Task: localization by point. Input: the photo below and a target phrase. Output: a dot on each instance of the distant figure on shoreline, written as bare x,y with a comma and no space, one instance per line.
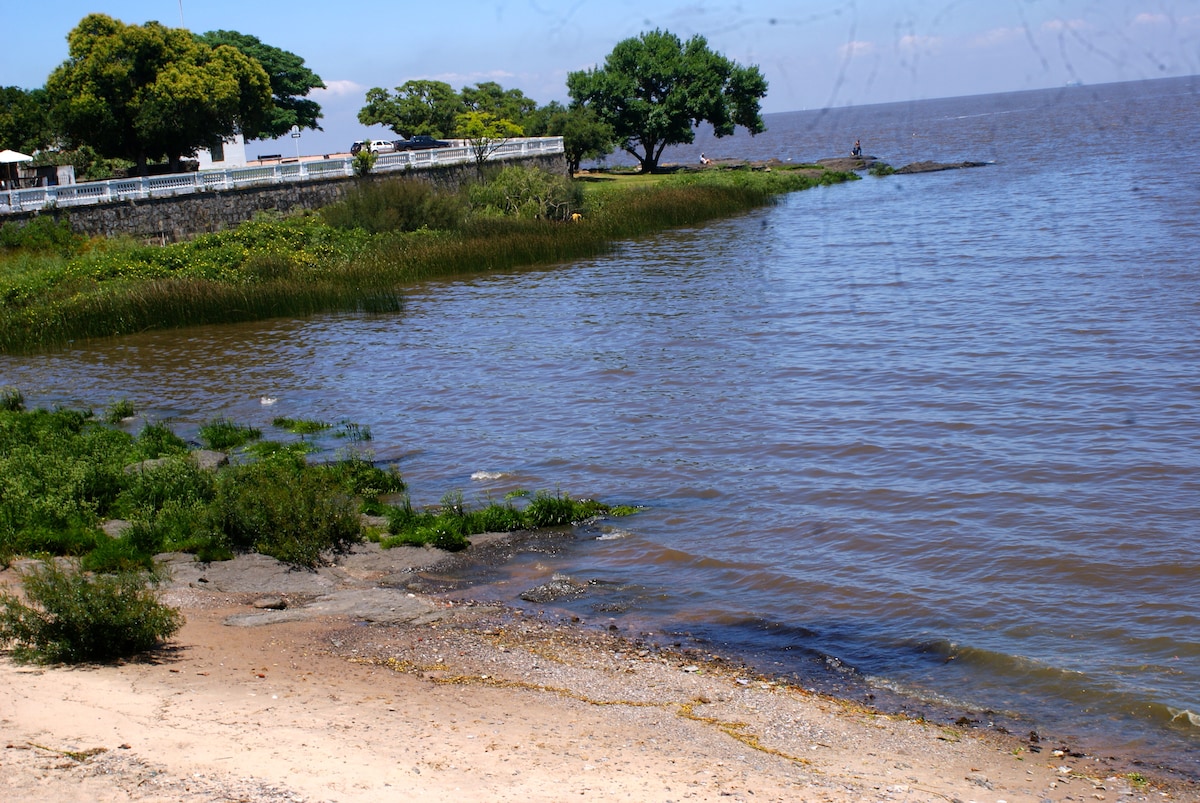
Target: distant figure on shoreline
704,160
857,151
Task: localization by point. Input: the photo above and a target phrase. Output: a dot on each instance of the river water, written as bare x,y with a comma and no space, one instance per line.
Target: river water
937,434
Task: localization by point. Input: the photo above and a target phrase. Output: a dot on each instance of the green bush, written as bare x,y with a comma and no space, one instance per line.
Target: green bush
72,617
114,555
527,193
285,511
360,477
395,205
177,480
42,234
364,162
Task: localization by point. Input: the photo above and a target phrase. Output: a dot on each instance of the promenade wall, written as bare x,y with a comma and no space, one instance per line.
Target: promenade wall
174,218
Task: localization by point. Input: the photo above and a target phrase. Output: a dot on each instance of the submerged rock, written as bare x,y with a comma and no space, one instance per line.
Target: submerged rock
933,167
559,587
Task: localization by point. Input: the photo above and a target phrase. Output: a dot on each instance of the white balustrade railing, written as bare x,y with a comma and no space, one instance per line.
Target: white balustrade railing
96,192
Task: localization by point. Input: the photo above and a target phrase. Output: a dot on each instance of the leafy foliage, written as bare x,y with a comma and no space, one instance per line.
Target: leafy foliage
43,234
24,120
60,473
290,82
653,89
147,91
363,162
418,107
504,104
73,617
286,509
585,135
403,204
485,133
527,193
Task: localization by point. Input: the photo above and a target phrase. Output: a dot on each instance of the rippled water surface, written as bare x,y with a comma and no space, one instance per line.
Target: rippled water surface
942,430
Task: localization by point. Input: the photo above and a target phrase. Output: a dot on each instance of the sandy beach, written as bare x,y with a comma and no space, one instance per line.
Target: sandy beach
340,686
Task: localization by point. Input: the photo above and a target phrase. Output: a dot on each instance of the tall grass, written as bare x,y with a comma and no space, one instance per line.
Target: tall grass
358,255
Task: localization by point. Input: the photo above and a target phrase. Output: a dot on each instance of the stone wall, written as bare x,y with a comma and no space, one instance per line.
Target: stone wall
173,218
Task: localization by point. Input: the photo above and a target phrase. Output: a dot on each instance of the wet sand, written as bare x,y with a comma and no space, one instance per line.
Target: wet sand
295,686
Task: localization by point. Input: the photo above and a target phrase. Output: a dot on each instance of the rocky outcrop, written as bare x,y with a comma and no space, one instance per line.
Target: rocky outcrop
855,164
933,167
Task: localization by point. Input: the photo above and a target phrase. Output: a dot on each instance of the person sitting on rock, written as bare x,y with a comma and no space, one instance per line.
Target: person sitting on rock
704,160
857,152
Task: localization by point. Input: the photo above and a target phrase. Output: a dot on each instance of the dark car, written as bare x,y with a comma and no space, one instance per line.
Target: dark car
420,142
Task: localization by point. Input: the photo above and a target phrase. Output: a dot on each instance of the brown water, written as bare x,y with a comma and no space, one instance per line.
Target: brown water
936,433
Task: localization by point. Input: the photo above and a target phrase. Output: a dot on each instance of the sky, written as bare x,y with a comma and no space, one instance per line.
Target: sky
813,53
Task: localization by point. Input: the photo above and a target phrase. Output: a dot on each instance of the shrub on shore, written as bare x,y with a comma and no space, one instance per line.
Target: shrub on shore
73,617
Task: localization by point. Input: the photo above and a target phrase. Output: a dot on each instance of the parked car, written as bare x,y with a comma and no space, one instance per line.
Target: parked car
420,142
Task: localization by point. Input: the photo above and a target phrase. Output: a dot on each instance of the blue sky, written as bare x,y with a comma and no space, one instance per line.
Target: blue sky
814,53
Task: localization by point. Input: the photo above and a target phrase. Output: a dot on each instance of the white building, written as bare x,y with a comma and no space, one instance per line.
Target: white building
230,153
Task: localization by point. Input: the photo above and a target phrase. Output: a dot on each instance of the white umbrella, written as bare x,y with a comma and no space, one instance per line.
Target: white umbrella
9,159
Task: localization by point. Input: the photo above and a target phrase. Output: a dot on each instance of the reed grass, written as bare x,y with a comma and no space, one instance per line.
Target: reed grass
302,265
453,521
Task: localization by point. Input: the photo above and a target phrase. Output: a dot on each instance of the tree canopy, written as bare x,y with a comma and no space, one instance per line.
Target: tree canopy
585,135
485,133
505,104
148,91
654,89
418,107
434,108
24,120
290,81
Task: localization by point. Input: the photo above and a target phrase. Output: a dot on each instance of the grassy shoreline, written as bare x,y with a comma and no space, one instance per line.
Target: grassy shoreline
56,287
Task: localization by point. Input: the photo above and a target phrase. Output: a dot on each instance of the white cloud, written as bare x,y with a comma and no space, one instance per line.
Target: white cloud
857,48
916,42
999,36
1060,26
340,89
455,79
1151,19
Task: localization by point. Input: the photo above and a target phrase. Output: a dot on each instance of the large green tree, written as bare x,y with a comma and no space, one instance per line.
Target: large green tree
654,89
290,80
24,120
505,104
585,135
418,107
145,92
